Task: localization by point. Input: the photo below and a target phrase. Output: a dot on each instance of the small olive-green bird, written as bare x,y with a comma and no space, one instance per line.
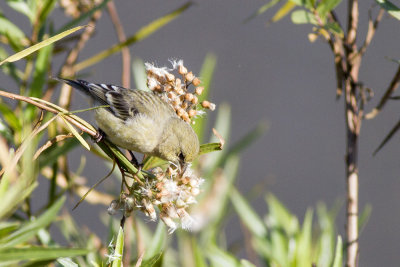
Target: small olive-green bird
141,121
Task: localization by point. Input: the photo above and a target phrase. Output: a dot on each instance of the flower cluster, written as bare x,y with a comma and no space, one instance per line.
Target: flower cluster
172,191
175,90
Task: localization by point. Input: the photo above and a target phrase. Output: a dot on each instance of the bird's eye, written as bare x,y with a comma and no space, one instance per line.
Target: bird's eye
181,157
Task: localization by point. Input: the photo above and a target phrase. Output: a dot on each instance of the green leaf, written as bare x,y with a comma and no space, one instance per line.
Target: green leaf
390,8
283,11
75,133
139,74
334,28
158,242
364,217
119,249
304,3
10,117
10,30
40,45
262,9
248,216
249,138
10,69
23,8
326,6
388,137
39,253
206,75
155,261
337,262
50,155
138,36
303,245
219,257
246,263
67,262
280,217
46,9
27,231
303,17
210,147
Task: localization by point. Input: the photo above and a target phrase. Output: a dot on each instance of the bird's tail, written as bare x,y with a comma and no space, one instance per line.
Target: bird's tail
93,90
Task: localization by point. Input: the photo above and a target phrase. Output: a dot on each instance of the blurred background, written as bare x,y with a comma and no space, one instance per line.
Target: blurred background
272,74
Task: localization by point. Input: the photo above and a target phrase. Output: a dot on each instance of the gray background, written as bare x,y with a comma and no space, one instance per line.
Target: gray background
273,73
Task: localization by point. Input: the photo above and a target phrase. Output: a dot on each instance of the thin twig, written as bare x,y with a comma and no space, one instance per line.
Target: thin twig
372,26
394,83
126,56
50,109
68,70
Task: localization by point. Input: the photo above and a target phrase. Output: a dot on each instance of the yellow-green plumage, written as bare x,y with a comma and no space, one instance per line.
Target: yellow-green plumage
141,121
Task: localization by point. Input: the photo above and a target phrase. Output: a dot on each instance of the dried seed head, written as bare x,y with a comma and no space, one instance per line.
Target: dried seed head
207,104
195,100
185,117
192,113
170,77
189,96
199,90
189,76
185,180
195,191
185,105
180,112
182,70
171,95
196,81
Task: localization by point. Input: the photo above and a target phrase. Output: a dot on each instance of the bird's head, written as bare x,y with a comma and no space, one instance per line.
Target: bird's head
179,143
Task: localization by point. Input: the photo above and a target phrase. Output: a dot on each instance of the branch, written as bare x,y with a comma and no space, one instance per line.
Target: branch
389,91
126,56
372,25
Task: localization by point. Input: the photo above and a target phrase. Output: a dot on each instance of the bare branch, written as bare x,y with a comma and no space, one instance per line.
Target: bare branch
372,26
126,56
389,91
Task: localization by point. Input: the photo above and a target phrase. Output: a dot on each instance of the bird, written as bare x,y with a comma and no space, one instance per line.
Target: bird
140,121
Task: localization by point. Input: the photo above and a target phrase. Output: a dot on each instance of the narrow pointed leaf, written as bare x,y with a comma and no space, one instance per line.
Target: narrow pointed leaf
210,147
337,262
75,133
388,137
119,249
39,253
247,214
390,8
283,11
262,9
206,76
40,45
139,35
30,229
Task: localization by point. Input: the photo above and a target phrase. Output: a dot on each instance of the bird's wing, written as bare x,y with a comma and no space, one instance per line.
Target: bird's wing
125,103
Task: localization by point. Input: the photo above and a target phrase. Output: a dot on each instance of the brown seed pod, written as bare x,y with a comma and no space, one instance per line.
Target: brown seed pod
192,113
196,81
189,76
199,90
170,77
195,100
189,96
182,70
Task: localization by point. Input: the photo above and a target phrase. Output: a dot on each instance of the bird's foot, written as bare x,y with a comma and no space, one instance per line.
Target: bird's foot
100,135
135,162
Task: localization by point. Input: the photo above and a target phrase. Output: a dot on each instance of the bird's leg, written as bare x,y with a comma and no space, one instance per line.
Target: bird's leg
100,135
135,162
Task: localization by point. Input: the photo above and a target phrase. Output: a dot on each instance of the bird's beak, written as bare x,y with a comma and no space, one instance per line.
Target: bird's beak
183,166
